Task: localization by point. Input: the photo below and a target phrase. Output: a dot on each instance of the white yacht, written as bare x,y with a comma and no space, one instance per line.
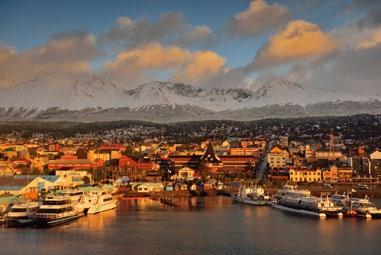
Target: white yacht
102,201
290,198
252,195
21,213
56,210
74,194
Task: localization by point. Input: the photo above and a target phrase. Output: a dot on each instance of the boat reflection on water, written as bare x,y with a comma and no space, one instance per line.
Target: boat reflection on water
97,221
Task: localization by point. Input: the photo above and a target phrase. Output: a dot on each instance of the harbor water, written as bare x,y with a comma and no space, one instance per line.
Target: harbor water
209,225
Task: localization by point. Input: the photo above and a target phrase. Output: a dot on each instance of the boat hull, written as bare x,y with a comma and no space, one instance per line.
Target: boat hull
294,204
299,211
250,201
47,223
101,208
21,222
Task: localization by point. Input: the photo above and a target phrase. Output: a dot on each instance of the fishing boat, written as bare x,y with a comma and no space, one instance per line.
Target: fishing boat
100,202
21,214
56,210
252,195
365,208
360,207
344,200
292,199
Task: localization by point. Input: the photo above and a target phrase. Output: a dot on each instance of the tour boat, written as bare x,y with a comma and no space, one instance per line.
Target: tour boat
290,198
56,210
103,201
21,214
252,195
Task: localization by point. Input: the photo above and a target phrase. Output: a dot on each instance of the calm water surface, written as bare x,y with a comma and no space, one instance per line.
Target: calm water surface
211,225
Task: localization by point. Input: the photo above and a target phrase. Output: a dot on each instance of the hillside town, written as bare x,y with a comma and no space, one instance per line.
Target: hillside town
29,166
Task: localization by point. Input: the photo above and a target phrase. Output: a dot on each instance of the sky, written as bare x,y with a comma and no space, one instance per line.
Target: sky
217,43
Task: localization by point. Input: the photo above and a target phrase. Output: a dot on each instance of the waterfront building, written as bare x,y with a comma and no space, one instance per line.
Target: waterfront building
213,163
73,178
146,187
305,175
185,173
279,173
28,185
210,162
339,171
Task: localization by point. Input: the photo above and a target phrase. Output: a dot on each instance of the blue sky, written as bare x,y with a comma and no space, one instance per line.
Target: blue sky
28,25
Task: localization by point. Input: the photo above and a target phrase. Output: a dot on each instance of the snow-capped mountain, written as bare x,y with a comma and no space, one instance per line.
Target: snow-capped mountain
65,91
89,97
167,93
281,91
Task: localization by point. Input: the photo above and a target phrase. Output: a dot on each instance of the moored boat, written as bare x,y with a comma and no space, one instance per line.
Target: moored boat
56,210
365,208
360,207
21,214
74,194
291,198
101,202
344,200
252,195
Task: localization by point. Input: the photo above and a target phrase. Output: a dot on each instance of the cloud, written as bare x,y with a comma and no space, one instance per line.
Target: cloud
187,66
169,29
298,40
202,65
349,69
372,42
65,52
195,35
258,18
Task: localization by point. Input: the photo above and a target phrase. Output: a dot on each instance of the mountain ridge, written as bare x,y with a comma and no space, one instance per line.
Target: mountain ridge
91,95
